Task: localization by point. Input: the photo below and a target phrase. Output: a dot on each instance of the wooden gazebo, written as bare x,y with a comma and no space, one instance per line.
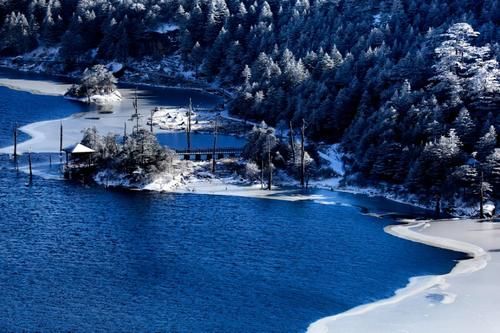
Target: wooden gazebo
79,155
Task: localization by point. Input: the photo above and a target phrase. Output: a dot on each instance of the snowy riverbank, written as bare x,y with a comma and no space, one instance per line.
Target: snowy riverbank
463,300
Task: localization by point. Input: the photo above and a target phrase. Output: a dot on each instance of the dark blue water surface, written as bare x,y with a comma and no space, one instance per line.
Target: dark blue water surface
82,258
199,140
22,108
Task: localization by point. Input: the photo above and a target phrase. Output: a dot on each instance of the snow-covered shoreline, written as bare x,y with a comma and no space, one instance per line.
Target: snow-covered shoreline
460,301
215,186
113,97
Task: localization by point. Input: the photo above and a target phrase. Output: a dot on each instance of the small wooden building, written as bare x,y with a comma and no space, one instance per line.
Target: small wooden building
79,162
79,155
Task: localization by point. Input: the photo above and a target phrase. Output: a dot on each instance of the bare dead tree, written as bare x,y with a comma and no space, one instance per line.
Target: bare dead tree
292,141
61,138
135,104
262,174
481,195
188,127
151,121
302,154
15,143
215,142
29,164
269,165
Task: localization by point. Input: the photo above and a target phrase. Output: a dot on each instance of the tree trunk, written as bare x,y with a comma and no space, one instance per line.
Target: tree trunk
292,143
302,154
262,174
188,127
215,145
60,138
269,165
151,121
481,197
29,163
437,211
15,143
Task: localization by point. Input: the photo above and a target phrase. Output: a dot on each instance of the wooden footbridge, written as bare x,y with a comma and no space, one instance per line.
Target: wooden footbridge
201,154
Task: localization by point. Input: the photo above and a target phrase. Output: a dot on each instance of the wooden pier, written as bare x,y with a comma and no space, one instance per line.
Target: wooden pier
207,153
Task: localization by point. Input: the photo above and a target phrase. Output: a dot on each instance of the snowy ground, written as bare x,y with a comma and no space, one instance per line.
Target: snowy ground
111,98
46,87
176,119
464,300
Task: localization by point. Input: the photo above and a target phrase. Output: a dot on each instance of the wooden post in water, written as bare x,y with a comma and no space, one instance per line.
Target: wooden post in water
50,160
61,146
15,147
15,143
215,143
61,138
29,164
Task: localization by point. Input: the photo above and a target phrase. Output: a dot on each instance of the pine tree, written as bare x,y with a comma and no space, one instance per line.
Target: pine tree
465,127
486,144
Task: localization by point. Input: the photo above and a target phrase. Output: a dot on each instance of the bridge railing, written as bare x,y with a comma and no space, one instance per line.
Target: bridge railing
204,151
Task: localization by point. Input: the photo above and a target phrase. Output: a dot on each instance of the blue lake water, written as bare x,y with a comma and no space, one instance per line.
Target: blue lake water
82,258
199,140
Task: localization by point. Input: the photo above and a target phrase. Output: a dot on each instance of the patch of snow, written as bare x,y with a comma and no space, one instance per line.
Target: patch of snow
164,28
114,97
333,156
114,67
37,87
42,53
93,53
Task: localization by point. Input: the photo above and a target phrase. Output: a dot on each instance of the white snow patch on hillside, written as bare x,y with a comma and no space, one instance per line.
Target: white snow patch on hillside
114,67
166,28
42,53
333,156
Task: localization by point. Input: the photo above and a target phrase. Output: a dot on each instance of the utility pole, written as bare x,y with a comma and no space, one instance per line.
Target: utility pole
302,154
215,143
188,127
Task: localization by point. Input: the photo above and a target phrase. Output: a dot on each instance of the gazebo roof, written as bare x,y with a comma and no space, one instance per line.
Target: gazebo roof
79,149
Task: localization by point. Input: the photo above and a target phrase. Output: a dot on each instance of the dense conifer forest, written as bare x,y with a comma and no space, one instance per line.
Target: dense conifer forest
410,88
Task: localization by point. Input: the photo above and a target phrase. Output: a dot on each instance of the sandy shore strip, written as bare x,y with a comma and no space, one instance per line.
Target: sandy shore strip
464,300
